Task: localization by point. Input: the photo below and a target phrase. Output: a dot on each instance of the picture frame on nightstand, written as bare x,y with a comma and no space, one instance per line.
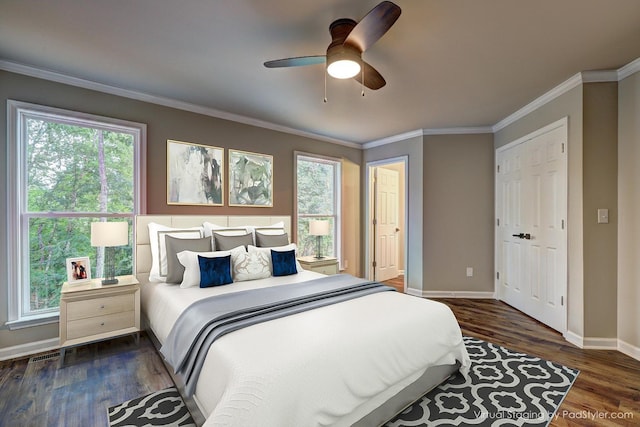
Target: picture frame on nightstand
78,270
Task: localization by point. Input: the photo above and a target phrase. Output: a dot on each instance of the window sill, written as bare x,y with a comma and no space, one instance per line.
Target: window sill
44,319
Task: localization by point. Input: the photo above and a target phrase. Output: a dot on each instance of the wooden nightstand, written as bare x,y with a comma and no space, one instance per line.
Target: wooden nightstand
326,265
92,312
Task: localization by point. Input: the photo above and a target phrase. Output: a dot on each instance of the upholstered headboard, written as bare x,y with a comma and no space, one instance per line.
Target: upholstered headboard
143,247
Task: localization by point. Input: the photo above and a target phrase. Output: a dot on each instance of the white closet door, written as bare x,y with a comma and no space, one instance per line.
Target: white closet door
531,250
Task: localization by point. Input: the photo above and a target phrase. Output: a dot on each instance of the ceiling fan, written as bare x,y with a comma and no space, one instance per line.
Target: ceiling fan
349,39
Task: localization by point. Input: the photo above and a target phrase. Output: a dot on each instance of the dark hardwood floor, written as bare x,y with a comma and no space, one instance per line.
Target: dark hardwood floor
105,374
608,385
98,376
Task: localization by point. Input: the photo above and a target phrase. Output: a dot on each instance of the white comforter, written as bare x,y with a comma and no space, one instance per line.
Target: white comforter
329,366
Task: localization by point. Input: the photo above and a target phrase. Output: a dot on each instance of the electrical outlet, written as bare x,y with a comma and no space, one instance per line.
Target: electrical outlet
469,271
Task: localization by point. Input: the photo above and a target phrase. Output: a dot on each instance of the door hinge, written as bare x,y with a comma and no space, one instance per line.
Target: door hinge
562,300
498,222
375,222
498,275
562,224
375,264
562,147
498,168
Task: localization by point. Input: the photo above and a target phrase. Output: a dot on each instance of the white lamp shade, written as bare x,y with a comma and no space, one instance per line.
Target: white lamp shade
109,234
318,228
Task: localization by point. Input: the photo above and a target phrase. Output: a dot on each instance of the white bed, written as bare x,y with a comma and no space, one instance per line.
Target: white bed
353,363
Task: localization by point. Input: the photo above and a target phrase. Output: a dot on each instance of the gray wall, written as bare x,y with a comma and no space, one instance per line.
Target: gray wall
450,210
629,211
162,123
458,212
450,186
600,172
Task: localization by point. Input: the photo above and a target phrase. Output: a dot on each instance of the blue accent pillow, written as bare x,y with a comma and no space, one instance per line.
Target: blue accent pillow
215,271
284,263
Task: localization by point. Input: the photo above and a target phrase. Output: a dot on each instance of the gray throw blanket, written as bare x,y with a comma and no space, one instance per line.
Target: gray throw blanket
208,319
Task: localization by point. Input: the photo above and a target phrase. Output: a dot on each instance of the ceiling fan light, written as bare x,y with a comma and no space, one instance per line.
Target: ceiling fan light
343,68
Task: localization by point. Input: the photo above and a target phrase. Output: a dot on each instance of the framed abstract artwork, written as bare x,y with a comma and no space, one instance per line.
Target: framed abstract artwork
250,179
194,174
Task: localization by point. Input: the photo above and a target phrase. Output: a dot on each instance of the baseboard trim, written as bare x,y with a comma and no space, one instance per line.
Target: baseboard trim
29,348
590,343
574,339
628,349
451,294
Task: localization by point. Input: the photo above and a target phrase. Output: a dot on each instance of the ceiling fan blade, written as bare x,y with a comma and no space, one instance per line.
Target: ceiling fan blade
372,78
374,25
296,62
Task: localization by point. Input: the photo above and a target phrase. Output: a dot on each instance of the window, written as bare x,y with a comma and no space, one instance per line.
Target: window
66,170
317,197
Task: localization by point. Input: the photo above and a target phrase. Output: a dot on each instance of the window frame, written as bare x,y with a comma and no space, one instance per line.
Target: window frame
17,216
337,182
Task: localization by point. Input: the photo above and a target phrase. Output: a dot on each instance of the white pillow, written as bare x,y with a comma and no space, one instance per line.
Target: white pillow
250,266
157,233
233,230
191,265
275,229
286,248
210,228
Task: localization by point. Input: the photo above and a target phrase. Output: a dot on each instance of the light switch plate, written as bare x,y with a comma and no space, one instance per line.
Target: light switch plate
603,216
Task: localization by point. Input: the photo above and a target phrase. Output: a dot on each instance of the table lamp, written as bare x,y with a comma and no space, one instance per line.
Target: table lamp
109,235
319,228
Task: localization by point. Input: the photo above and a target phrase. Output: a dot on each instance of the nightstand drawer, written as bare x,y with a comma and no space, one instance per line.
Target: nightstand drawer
101,324
100,306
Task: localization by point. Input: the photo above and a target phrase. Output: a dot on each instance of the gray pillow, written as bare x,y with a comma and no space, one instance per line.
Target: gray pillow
271,240
226,243
174,245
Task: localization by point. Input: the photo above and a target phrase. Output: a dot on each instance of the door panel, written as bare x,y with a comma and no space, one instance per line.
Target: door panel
531,207
387,188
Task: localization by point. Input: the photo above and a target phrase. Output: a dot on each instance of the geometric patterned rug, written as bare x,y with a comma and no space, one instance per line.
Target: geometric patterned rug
504,387
162,408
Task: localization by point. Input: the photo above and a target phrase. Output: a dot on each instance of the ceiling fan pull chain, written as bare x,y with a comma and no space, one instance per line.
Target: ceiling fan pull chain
362,80
325,87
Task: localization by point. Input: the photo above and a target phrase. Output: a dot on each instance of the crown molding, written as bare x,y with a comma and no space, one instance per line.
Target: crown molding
423,132
470,130
393,138
166,102
600,76
629,69
562,88
572,82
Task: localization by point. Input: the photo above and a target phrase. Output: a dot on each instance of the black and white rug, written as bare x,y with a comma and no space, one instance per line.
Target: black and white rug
504,388
162,408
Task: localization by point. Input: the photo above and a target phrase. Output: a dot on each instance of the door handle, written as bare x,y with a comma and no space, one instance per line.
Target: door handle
523,236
